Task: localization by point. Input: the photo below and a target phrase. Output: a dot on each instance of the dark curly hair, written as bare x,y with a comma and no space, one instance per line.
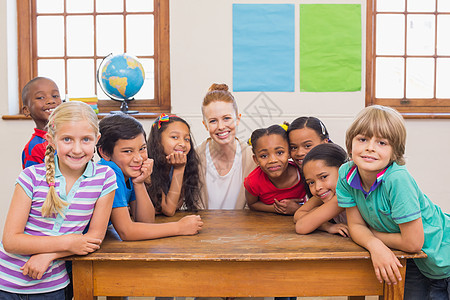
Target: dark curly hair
312,123
274,129
190,189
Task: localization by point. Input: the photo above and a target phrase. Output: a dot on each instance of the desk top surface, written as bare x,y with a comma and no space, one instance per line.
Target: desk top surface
235,235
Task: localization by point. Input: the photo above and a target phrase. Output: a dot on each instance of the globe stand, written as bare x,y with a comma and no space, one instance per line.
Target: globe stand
124,109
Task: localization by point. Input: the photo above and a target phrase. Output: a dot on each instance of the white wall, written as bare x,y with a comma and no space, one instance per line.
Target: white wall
201,53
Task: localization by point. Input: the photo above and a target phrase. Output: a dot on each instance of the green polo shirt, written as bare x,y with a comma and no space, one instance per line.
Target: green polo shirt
395,198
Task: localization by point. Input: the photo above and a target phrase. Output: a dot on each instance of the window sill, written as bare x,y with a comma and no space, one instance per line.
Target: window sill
143,115
425,115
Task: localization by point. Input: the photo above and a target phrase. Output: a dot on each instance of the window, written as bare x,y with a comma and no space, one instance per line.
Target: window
408,56
66,40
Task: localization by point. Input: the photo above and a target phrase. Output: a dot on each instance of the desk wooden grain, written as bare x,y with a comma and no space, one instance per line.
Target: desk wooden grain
237,254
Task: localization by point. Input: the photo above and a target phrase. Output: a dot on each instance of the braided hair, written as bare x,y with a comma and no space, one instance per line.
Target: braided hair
72,111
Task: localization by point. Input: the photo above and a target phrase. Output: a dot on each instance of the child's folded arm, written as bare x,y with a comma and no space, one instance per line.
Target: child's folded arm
410,238
313,215
254,203
385,263
173,200
14,238
134,231
142,208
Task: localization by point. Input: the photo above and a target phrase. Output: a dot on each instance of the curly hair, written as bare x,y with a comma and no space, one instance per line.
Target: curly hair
160,178
273,129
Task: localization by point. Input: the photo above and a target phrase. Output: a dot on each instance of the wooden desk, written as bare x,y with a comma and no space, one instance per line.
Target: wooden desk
237,254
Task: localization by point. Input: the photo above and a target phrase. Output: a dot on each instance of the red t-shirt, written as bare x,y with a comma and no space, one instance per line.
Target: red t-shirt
258,184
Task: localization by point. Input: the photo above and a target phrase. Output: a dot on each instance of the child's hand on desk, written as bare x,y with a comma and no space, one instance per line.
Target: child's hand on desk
286,206
385,263
37,265
190,225
146,171
81,244
339,228
177,159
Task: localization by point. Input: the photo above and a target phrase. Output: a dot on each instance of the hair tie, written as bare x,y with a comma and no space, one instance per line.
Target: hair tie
163,118
51,184
249,142
284,126
323,128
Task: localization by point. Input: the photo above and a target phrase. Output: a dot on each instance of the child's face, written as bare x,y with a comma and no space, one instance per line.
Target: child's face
321,179
371,154
221,121
129,155
75,144
301,141
272,155
43,98
176,138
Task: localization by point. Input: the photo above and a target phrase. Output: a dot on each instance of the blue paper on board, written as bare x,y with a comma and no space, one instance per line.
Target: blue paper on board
264,47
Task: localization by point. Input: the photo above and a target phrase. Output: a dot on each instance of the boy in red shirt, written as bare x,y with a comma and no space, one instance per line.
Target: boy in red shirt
40,97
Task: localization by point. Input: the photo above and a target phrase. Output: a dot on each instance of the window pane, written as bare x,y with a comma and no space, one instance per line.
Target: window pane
53,69
80,77
139,6
443,42
390,34
389,77
78,6
140,34
109,35
419,77
100,94
443,5
50,36
420,35
49,6
80,36
110,5
442,76
421,5
148,89
390,5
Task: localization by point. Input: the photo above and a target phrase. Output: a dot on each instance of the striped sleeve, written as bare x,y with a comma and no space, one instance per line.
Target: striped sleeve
110,183
27,180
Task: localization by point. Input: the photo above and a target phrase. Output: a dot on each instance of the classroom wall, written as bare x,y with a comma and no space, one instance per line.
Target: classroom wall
201,53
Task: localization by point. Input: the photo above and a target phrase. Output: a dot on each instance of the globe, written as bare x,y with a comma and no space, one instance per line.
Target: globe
121,76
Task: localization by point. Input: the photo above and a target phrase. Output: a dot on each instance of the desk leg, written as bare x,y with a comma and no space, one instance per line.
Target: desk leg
396,291
83,280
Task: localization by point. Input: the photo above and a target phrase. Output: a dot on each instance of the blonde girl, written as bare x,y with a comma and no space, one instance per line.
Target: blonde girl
224,160
51,206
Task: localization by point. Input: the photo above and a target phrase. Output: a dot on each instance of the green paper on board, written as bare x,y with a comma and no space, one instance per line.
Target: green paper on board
330,47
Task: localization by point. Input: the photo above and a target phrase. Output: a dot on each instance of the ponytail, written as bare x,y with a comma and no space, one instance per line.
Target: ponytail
53,204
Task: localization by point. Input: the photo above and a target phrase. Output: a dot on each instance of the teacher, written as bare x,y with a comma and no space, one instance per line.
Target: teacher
225,161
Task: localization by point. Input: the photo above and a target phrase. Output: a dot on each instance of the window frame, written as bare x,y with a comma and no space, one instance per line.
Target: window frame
27,58
409,108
